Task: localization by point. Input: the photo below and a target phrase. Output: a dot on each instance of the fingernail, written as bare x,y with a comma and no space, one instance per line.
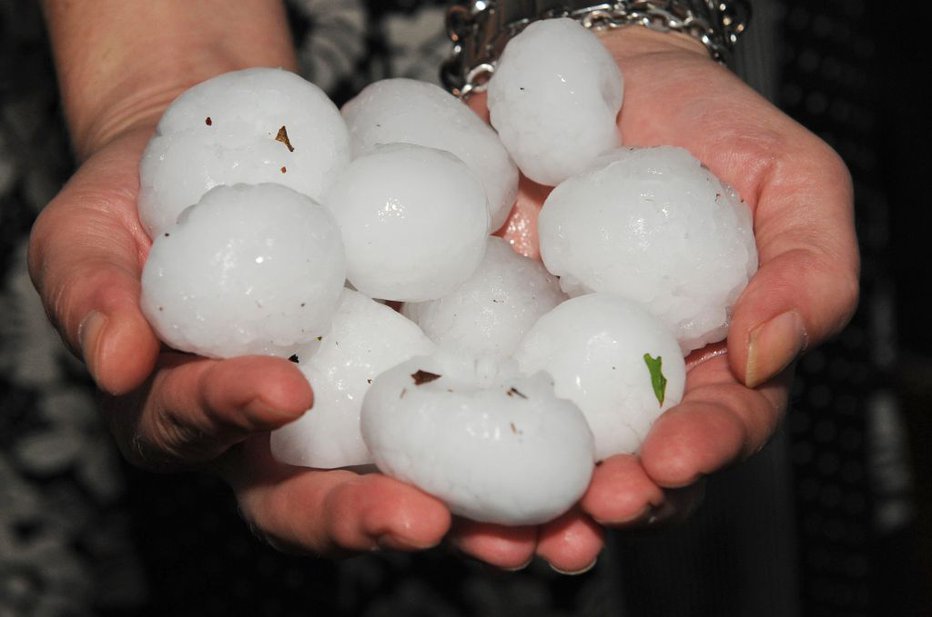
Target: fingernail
395,543
583,570
519,567
773,346
266,417
89,332
655,515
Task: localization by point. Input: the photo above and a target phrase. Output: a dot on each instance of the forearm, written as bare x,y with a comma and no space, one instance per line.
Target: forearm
120,63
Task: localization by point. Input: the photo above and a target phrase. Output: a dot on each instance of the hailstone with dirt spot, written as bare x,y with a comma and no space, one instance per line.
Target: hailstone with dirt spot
365,339
493,445
249,126
249,269
616,361
554,98
417,112
654,225
414,222
490,312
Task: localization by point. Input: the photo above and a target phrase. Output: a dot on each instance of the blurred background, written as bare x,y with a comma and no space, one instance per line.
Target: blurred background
832,518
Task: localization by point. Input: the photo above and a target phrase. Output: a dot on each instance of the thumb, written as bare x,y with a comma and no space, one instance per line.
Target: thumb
85,255
807,286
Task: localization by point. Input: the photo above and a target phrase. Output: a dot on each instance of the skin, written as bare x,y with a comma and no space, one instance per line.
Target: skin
167,410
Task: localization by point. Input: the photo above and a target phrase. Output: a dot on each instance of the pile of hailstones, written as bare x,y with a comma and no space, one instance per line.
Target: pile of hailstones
499,383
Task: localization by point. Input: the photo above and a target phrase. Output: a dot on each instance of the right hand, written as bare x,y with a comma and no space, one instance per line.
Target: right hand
174,411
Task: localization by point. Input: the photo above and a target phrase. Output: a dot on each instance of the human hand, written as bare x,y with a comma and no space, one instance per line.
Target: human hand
119,65
170,410
806,289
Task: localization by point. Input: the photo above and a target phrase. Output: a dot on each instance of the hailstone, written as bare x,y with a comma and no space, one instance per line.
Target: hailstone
490,312
654,225
414,222
365,339
494,445
554,98
250,126
616,361
417,112
249,269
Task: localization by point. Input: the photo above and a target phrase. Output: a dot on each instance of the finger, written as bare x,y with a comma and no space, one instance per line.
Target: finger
508,548
719,421
85,259
330,512
620,492
194,409
571,543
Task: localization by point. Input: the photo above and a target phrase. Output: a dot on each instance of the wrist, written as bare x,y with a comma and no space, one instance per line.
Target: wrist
639,41
480,29
120,64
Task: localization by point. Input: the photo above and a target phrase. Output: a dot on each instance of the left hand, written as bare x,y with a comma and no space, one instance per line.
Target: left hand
806,290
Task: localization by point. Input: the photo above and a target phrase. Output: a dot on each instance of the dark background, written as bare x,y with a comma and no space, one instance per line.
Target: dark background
834,518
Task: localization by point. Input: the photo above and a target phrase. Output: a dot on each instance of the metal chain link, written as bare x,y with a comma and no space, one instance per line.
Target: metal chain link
481,30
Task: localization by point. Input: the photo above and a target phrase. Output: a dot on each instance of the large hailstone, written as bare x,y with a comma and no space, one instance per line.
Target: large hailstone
490,312
247,270
414,222
417,112
249,126
617,362
554,98
654,225
365,339
494,445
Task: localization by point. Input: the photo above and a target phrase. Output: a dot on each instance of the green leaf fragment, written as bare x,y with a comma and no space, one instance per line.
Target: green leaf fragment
657,380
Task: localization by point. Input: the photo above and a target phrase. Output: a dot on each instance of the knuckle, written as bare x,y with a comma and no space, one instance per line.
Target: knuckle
179,440
256,518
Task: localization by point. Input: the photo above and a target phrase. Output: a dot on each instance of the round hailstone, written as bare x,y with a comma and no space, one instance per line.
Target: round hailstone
654,225
490,312
414,222
554,98
249,126
365,339
248,270
612,358
494,445
417,112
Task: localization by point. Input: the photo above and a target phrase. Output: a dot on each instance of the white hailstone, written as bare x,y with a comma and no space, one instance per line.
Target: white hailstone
249,126
616,361
654,225
417,112
365,339
554,99
414,222
249,269
494,445
490,312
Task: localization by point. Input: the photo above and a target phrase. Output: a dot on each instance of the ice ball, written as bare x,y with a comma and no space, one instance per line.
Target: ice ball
249,126
494,308
554,98
616,361
414,222
654,225
364,339
417,112
494,445
249,269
